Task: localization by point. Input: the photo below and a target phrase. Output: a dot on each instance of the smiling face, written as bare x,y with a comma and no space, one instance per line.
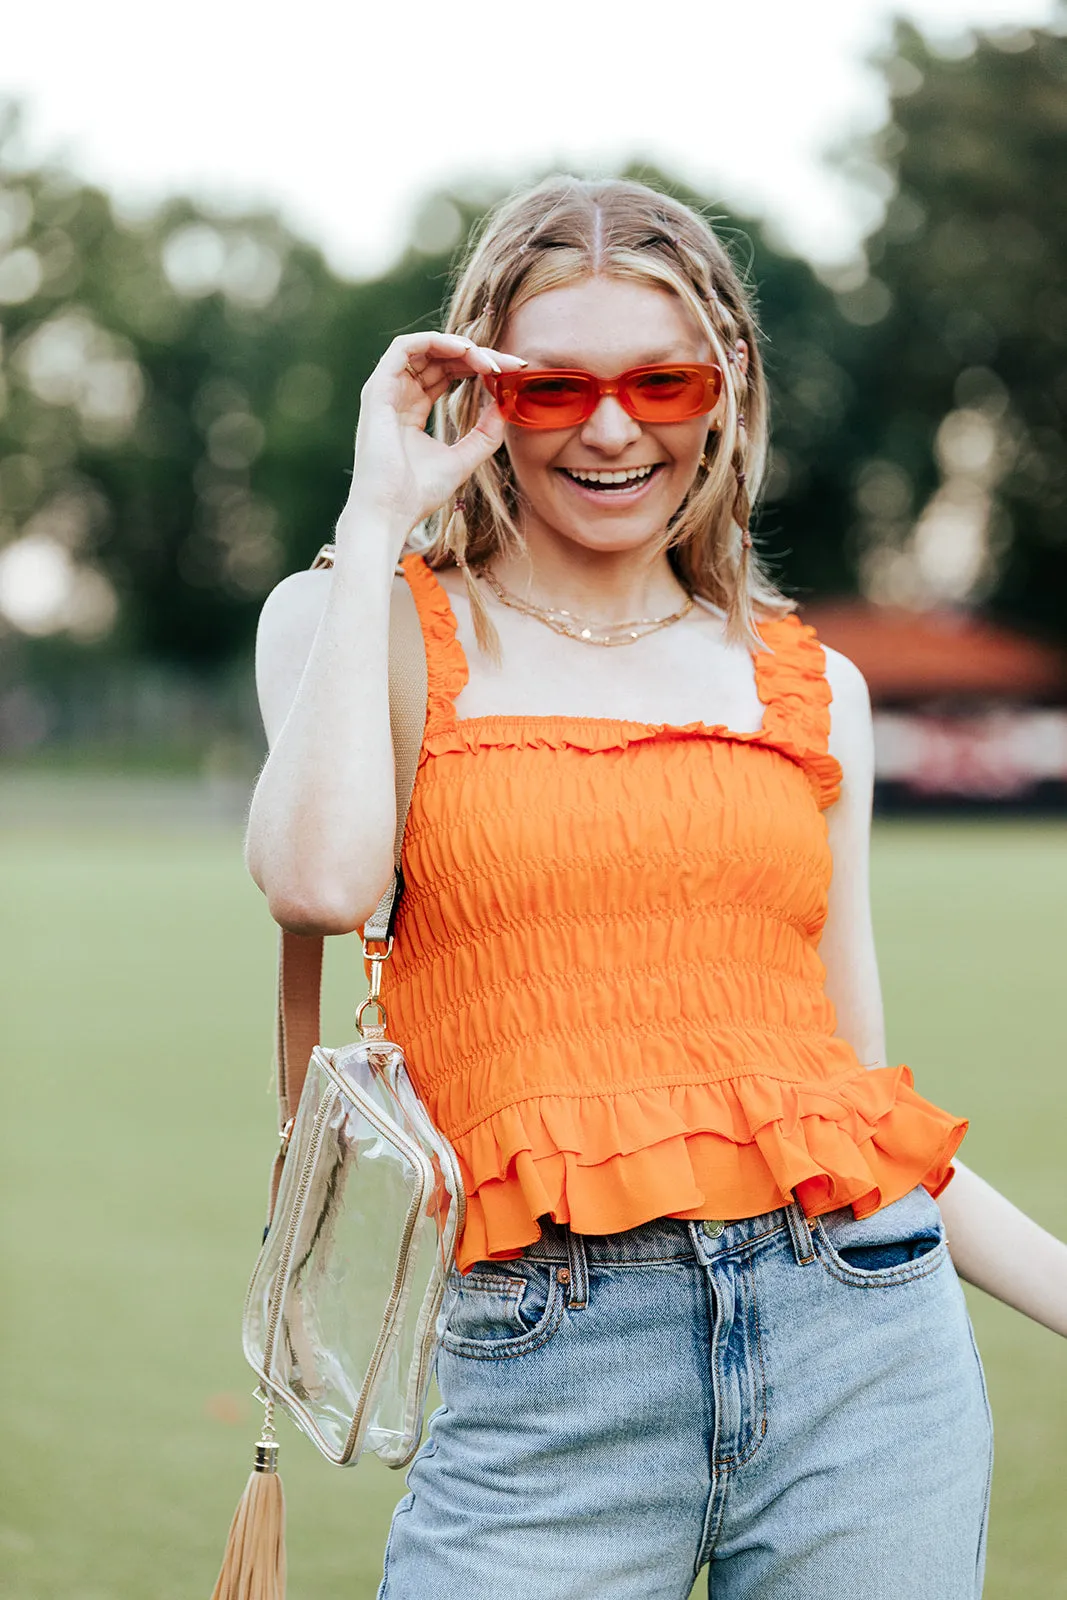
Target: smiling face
569,478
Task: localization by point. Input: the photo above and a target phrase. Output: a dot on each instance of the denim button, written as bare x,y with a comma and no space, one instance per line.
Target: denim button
713,1228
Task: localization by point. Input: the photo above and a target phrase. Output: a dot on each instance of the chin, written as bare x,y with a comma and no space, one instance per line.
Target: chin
613,539
615,533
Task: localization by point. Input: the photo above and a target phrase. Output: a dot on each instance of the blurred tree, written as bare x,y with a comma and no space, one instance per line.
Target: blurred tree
178,399
960,363
146,367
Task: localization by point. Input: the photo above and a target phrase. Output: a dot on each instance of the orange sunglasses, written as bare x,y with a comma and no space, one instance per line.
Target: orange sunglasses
557,397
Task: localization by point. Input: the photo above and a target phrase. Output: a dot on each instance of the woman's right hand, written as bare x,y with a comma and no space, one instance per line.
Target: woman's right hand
401,472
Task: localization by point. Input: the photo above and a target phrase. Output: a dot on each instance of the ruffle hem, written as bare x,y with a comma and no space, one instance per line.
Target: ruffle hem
735,1149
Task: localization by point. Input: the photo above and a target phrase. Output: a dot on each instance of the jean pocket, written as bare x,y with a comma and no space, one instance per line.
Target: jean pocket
901,1242
499,1310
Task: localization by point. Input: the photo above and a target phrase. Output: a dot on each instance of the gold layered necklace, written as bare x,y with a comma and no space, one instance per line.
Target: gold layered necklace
585,630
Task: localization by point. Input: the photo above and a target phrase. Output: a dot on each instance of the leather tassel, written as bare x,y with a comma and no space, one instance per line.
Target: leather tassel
253,1567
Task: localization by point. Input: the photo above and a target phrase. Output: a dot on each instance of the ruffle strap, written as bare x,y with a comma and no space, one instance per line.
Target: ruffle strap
446,665
792,684
732,1149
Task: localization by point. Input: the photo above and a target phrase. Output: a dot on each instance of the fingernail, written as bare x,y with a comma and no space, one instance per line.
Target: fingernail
494,364
521,362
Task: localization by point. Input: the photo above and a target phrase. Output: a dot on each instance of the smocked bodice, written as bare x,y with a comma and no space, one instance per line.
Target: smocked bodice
606,974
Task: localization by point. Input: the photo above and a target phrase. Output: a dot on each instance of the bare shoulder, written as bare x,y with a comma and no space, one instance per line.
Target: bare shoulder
294,603
847,683
288,623
851,734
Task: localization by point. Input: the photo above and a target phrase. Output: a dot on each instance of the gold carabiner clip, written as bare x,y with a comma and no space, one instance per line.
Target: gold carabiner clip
374,1030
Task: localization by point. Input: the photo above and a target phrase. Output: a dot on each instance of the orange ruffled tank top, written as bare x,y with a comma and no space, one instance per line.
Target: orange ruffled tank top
606,976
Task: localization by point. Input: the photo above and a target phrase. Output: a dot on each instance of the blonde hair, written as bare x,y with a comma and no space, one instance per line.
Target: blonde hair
561,231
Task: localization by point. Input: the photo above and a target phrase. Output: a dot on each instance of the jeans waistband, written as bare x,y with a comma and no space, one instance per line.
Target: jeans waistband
671,1238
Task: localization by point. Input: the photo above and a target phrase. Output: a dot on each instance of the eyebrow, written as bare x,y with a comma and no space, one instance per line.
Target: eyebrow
551,358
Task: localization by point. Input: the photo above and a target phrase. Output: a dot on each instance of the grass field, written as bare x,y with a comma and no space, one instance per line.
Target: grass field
137,970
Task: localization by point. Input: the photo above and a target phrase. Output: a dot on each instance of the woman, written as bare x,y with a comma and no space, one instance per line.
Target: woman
704,1310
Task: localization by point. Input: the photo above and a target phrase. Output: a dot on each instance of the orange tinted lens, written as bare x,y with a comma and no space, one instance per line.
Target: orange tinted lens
549,399
669,394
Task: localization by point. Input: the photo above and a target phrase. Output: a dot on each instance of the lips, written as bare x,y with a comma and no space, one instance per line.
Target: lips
602,480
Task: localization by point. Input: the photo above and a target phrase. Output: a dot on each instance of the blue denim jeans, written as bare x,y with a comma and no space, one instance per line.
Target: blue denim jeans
798,1406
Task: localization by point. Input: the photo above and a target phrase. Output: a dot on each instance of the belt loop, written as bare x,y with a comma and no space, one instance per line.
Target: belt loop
576,1261
800,1233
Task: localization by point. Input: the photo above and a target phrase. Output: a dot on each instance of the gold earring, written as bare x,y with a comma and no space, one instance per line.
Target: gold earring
704,453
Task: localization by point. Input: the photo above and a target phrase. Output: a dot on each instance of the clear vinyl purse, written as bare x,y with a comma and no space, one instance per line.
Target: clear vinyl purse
341,1318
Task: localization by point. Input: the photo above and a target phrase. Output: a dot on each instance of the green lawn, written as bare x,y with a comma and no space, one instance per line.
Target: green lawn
137,978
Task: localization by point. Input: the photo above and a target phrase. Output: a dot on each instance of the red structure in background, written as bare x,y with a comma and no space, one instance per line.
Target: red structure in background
964,709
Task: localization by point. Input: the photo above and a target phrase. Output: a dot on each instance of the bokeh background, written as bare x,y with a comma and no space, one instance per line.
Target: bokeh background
210,226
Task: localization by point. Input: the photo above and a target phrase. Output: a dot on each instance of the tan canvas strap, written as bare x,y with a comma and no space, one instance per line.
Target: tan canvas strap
300,955
407,718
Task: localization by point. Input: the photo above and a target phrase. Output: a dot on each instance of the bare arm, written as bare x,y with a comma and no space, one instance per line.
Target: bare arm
994,1245
323,815
320,828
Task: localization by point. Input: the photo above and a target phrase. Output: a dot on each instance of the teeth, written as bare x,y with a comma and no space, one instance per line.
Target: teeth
633,475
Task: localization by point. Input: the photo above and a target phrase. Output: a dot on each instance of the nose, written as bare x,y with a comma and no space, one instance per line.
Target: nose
610,428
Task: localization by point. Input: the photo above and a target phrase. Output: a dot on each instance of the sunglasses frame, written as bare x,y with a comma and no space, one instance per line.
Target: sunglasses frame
504,387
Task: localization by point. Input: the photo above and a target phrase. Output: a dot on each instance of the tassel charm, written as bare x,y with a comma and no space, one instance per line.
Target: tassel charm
253,1567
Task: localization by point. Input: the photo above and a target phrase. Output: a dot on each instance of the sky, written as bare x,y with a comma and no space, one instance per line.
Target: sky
345,117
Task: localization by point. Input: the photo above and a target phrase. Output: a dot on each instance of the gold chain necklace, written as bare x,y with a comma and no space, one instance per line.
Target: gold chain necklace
586,631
